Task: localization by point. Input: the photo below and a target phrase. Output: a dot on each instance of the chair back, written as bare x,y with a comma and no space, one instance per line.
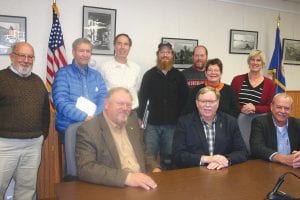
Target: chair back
70,142
244,122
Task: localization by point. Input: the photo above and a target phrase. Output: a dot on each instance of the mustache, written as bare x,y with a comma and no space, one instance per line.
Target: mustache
282,114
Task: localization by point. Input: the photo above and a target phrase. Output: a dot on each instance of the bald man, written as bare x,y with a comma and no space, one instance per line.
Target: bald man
24,122
275,137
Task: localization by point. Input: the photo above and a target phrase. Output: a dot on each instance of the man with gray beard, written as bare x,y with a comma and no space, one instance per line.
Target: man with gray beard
24,122
165,89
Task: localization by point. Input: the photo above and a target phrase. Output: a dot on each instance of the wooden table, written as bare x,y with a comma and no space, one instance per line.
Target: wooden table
251,180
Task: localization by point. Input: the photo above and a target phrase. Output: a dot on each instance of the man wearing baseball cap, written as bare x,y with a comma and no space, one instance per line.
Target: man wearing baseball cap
165,89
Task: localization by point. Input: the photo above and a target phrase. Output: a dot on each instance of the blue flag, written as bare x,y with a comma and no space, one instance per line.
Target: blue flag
275,67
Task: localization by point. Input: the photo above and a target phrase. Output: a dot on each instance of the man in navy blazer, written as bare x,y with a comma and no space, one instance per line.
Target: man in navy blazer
276,136
208,137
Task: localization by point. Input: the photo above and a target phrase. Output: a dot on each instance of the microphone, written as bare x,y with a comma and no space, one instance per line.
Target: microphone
276,194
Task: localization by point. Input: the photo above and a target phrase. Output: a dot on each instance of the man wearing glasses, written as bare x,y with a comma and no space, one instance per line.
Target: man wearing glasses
24,122
207,137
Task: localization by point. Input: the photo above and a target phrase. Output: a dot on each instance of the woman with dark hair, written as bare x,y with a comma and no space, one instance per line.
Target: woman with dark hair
228,101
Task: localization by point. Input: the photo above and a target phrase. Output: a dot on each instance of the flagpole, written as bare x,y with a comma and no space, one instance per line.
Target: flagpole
278,25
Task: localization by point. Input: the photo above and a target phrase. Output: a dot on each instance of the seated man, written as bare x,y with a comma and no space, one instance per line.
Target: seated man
208,137
109,148
276,136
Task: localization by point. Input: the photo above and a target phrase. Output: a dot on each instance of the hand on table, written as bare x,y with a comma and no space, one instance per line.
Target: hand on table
140,180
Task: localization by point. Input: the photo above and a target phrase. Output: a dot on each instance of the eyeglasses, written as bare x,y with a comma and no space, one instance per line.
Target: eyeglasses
213,71
205,102
165,52
24,57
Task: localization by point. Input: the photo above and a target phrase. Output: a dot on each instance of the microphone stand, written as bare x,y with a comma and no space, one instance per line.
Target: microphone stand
276,194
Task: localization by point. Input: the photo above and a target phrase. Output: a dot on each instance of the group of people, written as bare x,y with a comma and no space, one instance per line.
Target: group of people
191,118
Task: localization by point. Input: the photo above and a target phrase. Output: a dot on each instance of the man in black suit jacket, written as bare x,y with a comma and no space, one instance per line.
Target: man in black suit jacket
276,136
208,137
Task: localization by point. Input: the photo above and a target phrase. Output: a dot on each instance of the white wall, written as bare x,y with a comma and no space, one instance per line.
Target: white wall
146,22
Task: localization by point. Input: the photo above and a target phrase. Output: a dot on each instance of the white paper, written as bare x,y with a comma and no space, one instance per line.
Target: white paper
86,106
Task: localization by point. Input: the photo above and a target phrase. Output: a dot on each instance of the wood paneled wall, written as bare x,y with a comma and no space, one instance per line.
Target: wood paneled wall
50,171
296,105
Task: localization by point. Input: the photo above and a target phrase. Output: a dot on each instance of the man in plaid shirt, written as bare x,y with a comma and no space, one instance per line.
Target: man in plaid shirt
208,137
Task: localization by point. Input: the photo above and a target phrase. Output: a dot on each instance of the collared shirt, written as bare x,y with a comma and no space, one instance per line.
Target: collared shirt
12,68
83,77
210,133
283,141
124,147
125,75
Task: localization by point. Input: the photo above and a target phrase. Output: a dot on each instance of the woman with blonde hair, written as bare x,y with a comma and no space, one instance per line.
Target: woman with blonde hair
254,92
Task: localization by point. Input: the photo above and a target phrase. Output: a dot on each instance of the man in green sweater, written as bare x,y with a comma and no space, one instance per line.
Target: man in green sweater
24,122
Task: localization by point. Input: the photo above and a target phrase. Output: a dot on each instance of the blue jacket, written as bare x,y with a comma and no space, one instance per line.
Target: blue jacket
71,83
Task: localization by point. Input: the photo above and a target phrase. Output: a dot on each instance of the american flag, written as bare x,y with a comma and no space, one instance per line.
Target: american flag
56,55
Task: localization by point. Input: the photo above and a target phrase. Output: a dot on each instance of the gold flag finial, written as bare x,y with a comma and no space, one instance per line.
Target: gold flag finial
55,8
278,20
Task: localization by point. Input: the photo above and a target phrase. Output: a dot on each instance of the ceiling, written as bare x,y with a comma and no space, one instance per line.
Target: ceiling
290,6
295,1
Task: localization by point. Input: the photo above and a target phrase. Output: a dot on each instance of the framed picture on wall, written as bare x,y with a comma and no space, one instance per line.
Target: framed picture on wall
12,30
291,51
242,42
183,49
99,26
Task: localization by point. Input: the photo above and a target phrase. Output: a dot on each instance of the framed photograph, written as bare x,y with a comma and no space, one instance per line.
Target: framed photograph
183,49
291,51
99,26
12,30
242,42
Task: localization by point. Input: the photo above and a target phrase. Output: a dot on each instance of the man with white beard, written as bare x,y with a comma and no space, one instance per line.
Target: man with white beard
24,122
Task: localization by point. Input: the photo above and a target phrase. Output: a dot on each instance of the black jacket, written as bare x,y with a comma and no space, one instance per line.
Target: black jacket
167,95
263,138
